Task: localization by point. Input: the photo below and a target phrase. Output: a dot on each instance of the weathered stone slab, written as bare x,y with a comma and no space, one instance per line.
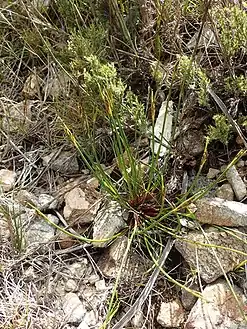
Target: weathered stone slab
221,212
230,253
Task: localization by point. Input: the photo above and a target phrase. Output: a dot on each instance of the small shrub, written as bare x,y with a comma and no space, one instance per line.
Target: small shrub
222,130
232,26
84,43
237,85
194,77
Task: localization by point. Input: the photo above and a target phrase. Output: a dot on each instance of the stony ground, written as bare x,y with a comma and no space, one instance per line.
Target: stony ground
80,251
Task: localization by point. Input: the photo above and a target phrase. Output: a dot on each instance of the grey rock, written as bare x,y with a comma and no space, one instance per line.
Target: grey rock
41,232
16,116
73,308
108,222
187,298
207,39
47,202
236,182
41,5
225,192
58,82
44,202
231,252
4,231
111,260
192,142
7,180
212,173
78,270
16,216
25,198
218,308
171,314
221,212
31,86
240,164
65,162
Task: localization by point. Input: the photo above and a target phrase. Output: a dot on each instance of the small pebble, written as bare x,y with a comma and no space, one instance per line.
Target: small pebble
7,179
225,192
212,173
240,164
236,182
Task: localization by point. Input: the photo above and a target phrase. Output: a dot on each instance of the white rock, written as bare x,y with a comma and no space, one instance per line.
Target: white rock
195,249
225,192
163,124
71,286
7,179
236,182
171,314
108,222
73,308
221,212
138,320
212,173
90,319
83,325
100,285
218,308
75,204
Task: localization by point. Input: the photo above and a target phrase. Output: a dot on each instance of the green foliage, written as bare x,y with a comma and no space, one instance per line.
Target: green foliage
84,43
194,77
106,95
192,8
237,85
73,12
222,131
232,26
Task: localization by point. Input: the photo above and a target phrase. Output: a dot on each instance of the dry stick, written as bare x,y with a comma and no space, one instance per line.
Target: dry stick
145,293
223,108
